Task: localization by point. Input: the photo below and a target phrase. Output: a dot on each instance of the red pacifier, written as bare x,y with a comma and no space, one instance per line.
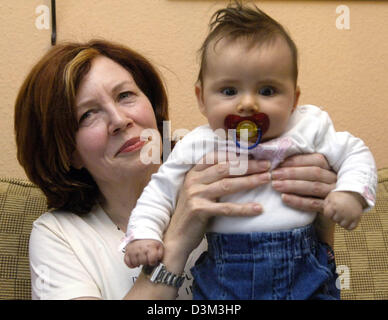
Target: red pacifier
256,126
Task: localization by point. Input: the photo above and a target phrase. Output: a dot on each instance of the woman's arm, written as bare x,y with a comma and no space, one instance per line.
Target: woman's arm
197,202
305,180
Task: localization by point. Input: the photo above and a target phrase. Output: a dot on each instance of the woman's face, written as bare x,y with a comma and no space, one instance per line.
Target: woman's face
112,112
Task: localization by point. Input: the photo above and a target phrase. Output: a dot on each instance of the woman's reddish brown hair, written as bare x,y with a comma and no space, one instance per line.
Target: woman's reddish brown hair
46,124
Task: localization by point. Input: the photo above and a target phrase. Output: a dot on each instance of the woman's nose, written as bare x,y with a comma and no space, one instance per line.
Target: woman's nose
118,121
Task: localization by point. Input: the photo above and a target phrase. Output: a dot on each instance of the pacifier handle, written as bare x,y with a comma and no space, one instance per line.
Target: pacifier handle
252,146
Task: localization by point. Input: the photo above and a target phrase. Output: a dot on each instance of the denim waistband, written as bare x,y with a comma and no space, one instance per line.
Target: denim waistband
296,242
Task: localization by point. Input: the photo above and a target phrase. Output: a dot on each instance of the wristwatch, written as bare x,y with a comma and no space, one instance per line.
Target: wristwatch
159,274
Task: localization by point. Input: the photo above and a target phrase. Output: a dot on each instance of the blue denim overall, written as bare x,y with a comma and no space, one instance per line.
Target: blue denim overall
266,265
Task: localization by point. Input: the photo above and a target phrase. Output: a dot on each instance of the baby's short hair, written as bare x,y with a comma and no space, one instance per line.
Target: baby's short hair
238,21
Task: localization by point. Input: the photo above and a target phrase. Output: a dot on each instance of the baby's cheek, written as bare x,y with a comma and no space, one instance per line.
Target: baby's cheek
277,126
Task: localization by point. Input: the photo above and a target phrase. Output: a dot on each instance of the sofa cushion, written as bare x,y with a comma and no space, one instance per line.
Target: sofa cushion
361,255
20,204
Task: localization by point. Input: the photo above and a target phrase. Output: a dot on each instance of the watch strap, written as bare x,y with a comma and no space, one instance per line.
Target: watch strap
159,274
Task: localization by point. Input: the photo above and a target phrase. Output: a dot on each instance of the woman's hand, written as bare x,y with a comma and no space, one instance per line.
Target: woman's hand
197,202
304,181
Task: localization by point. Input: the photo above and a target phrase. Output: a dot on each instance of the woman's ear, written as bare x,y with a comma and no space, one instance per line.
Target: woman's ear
76,161
199,95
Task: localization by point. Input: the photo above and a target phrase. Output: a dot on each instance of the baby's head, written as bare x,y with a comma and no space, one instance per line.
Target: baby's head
248,72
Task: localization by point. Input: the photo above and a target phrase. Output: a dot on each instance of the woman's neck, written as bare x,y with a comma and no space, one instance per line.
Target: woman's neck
119,198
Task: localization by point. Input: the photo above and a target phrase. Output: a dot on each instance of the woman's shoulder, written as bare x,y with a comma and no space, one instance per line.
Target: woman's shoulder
64,221
55,218
51,226
73,226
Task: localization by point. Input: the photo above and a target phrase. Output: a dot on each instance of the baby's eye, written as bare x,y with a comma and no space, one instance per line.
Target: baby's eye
229,91
267,91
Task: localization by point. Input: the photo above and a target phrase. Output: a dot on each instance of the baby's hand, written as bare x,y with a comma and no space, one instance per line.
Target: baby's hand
143,252
345,208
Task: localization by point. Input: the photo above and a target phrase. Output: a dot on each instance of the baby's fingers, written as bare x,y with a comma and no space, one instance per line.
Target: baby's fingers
152,259
343,223
154,255
353,225
347,224
132,260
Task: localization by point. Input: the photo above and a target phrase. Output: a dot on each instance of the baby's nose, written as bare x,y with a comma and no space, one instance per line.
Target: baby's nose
248,107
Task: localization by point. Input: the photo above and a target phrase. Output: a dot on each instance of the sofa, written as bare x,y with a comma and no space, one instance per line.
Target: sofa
361,254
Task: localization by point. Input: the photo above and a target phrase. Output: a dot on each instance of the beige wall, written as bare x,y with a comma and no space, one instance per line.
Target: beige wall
342,70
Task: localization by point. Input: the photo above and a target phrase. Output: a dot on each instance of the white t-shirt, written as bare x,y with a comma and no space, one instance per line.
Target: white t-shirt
76,256
309,130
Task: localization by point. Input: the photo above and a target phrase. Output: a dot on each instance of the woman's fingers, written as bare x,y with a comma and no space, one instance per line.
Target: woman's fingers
206,174
305,174
303,188
303,203
215,157
225,186
228,209
304,181
306,160
229,186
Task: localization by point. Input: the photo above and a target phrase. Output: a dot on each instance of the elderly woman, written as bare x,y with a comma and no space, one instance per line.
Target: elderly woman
78,120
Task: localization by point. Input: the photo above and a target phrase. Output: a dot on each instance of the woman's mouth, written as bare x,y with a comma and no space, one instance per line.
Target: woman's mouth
131,145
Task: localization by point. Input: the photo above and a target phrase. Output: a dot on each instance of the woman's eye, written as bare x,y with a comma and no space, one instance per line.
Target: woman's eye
125,95
85,116
229,91
267,91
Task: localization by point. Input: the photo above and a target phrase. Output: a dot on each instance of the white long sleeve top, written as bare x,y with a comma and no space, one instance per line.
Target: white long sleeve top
74,256
309,130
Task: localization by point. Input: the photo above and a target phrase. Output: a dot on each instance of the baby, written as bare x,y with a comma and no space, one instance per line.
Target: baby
248,80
